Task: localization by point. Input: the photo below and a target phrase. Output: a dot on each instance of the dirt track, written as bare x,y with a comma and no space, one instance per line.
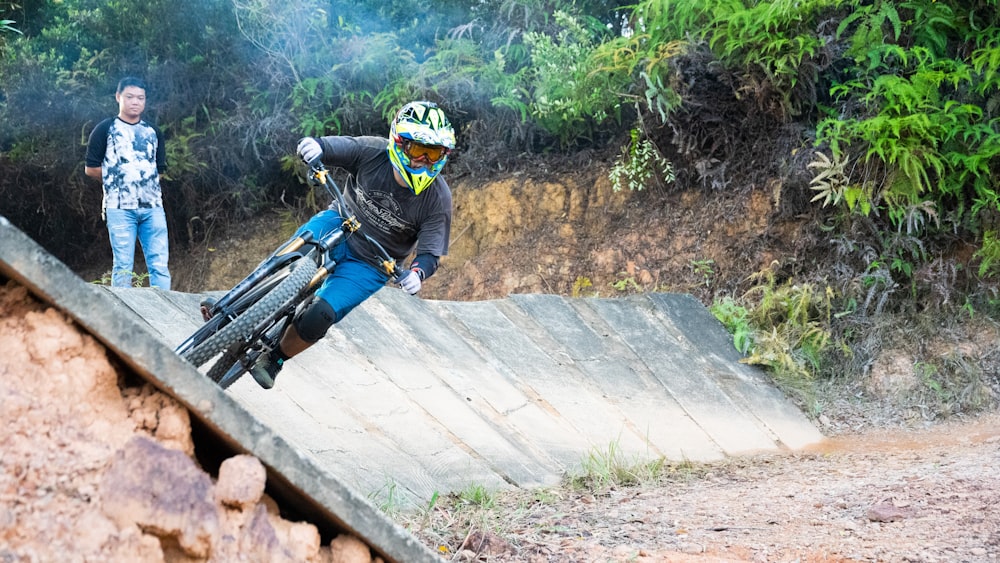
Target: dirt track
893,496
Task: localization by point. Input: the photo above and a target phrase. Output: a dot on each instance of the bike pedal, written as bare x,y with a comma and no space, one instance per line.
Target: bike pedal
206,306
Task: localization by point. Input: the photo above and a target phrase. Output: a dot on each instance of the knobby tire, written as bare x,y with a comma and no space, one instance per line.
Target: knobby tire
229,360
238,307
205,331
230,367
240,329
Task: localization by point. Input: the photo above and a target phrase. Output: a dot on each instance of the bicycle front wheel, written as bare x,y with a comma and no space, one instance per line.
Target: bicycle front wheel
240,332
239,304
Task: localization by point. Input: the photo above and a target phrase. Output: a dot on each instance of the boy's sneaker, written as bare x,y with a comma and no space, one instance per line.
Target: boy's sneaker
265,371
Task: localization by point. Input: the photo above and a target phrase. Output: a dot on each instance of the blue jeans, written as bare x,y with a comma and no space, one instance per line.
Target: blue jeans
352,280
150,226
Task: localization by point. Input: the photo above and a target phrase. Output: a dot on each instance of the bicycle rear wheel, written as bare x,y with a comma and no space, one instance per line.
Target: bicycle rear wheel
236,360
234,338
228,368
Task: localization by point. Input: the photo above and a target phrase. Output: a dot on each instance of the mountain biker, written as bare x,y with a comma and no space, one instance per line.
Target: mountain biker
401,201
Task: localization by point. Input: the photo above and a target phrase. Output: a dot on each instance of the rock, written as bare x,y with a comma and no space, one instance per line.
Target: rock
260,540
241,482
487,544
163,492
160,416
888,512
349,549
173,429
303,540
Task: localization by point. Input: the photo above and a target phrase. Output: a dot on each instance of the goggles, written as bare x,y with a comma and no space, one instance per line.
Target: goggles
413,149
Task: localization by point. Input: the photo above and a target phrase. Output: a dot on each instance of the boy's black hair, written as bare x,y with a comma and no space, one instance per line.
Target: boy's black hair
130,81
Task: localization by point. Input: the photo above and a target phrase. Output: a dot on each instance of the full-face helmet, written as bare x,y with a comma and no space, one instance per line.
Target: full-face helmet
420,139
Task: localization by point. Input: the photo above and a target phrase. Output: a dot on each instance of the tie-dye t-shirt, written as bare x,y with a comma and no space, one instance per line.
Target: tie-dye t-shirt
130,157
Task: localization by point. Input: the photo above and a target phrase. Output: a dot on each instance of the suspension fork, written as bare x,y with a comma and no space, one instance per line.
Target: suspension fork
328,263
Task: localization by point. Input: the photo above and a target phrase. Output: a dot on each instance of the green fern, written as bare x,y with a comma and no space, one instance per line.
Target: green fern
989,254
734,317
925,122
870,23
789,323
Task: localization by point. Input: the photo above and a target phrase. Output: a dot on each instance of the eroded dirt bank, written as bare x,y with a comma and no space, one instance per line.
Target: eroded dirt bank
97,466
555,234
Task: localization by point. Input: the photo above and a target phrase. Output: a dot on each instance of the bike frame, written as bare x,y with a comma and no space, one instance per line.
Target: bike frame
248,320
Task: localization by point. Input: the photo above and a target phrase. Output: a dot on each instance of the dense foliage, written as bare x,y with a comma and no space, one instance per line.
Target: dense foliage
880,117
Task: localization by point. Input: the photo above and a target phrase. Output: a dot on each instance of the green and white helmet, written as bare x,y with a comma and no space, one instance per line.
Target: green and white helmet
420,139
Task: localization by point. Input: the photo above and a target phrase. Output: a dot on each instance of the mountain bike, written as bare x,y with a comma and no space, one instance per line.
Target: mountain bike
250,318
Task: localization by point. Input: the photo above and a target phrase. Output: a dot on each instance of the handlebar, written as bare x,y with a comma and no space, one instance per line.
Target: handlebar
320,175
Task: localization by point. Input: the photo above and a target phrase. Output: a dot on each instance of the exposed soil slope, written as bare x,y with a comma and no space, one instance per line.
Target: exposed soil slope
96,465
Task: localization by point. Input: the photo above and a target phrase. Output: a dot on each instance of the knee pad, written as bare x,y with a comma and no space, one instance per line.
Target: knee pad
315,320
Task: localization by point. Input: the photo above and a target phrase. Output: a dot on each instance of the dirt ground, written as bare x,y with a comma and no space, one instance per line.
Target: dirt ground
888,495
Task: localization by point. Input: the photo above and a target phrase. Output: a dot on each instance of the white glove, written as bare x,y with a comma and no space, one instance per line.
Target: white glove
309,150
409,282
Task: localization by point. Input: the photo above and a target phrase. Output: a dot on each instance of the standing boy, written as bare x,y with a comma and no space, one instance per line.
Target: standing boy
127,155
